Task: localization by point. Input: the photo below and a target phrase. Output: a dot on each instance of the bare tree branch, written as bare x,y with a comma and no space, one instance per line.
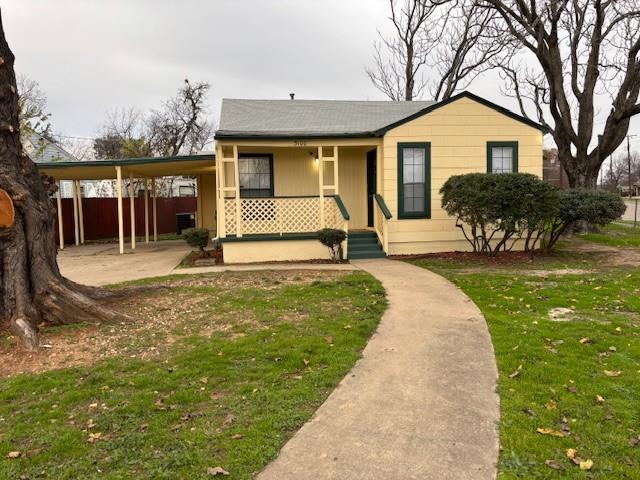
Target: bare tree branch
579,50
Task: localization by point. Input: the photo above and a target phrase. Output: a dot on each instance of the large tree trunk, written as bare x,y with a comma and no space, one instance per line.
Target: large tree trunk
31,287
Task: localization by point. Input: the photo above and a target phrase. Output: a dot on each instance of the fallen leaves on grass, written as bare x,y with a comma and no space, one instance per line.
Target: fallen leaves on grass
553,465
94,437
551,405
14,455
551,432
572,454
217,471
516,372
600,399
586,465
613,373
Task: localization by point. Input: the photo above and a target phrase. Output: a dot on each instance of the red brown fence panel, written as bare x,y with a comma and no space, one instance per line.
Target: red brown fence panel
101,216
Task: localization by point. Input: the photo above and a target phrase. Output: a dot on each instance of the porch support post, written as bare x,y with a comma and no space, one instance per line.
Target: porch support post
321,184
80,212
60,224
220,197
155,209
379,170
132,208
120,219
199,221
146,210
76,233
335,170
237,186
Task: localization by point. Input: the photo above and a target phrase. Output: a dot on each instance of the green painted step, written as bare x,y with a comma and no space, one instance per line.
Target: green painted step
364,245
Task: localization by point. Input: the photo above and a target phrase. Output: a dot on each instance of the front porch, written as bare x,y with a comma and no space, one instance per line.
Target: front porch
288,190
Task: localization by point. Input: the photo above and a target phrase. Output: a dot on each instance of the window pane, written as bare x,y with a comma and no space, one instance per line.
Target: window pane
255,176
413,179
502,159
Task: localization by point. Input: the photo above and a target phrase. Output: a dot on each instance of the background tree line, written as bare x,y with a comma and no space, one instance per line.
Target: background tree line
559,59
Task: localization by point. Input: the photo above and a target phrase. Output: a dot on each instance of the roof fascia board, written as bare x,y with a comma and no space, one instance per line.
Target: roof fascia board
465,94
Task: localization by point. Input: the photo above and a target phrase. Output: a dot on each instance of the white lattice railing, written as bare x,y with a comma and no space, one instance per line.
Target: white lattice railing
380,221
281,215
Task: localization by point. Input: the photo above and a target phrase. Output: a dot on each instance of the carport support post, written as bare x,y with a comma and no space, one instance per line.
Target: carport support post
120,219
133,211
146,210
155,209
80,212
60,224
76,233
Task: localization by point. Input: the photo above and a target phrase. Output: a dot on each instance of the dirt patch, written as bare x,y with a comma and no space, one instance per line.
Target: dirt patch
164,313
501,258
615,256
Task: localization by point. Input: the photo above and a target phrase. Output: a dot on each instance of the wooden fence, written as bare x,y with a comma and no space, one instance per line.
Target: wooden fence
101,216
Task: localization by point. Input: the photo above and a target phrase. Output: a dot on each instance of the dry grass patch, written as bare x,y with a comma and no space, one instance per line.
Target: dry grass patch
165,311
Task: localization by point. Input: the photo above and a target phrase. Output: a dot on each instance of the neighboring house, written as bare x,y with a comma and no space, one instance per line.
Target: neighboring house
41,150
286,168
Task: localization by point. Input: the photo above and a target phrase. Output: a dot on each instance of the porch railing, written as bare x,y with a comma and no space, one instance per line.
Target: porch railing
380,221
282,215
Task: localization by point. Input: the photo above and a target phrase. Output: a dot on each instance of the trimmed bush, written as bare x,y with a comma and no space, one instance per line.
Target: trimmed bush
494,211
197,237
332,238
581,206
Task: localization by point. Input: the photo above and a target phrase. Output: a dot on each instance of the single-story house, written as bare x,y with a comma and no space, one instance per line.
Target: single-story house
286,168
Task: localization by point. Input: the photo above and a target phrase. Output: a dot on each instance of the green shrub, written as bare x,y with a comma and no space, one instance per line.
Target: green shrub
333,238
495,211
196,237
581,206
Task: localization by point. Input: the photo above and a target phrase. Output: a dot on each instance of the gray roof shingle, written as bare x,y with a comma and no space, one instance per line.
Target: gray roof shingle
269,118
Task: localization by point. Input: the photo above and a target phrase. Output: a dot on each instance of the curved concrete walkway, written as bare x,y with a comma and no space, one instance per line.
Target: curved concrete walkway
420,404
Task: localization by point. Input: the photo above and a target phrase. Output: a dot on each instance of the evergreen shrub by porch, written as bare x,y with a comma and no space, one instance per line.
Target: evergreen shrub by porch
494,211
332,238
197,237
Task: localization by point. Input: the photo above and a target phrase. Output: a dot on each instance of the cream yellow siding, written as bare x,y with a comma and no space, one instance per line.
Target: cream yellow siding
207,202
295,172
458,134
274,251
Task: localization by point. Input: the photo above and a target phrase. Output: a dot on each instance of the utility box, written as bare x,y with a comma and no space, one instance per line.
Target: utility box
185,221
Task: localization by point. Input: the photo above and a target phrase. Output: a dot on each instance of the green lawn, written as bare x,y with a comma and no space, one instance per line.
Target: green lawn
617,235
241,362
580,377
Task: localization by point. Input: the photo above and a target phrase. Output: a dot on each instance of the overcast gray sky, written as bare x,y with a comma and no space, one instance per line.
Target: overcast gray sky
92,56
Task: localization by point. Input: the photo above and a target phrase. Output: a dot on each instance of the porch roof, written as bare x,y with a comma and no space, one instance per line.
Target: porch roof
142,167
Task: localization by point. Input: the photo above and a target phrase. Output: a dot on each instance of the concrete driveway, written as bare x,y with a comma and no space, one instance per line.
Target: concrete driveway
101,264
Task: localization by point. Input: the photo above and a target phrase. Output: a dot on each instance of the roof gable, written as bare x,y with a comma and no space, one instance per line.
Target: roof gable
452,99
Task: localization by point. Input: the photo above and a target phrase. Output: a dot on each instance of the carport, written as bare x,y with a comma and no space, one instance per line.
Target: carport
147,170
